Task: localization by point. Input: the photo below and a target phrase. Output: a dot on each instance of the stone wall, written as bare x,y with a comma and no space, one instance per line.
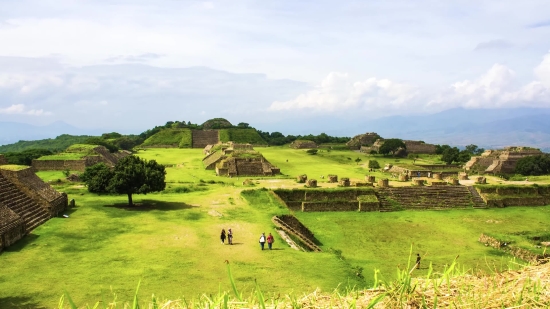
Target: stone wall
303,144
419,147
12,227
330,206
201,138
426,198
59,165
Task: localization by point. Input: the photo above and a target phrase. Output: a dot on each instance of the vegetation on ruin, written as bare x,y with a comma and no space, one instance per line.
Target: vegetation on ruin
242,136
13,167
170,137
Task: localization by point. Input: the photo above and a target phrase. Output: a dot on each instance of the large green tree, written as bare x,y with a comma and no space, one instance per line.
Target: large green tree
450,154
534,165
391,145
131,175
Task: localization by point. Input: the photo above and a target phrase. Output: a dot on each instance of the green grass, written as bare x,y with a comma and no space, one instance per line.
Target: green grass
172,137
171,241
13,167
241,136
63,156
81,148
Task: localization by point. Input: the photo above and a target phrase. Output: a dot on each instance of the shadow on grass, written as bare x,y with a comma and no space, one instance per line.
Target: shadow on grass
148,205
18,302
20,244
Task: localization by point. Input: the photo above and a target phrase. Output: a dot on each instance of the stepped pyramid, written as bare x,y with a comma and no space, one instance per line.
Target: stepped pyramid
25,203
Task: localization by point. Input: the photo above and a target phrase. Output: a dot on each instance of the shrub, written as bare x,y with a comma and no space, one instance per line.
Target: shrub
312,151
373,164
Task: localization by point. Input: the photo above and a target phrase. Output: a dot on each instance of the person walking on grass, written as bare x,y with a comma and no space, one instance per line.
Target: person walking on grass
262,241
222,236
229,237
418,261
270,241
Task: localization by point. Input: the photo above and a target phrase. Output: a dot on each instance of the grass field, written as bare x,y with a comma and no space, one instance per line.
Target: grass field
170,241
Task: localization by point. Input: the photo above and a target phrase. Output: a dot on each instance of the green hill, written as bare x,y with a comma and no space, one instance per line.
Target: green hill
170,137
59,143
242,136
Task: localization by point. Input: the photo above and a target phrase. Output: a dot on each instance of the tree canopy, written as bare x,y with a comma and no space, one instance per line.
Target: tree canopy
131,175
534,165
391,145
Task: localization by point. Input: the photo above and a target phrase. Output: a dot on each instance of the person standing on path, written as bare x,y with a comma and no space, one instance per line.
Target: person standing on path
262,240
417,261
229,237
269,241
222,236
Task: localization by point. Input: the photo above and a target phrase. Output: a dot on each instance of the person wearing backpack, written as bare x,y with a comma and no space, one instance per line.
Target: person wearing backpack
262,240
270,241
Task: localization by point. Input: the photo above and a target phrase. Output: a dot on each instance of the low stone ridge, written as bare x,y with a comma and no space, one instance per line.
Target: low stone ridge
25,203
303,144
419,147
292,225
425,198
502,161
518,252
360,140
231,159
505,196
100,154
363,199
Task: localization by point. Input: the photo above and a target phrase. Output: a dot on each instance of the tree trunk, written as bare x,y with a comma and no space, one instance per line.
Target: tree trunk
130,199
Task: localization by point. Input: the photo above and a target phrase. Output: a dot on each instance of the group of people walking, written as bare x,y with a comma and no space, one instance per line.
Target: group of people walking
269,240
263,239
229,236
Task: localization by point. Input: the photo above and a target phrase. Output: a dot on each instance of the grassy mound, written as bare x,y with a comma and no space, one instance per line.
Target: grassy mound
73,152
170,137
242,136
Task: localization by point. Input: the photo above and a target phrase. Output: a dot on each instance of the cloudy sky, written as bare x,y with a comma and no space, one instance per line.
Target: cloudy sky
129,65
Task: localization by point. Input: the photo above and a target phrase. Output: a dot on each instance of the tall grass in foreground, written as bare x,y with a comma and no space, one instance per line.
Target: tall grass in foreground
528,287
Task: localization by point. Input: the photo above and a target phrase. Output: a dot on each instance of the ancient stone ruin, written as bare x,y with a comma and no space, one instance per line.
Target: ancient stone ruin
344,182
301,178
311,183
500,161
100,154
231,159
332,178
419,147
361,140
203,138
303,144
25,203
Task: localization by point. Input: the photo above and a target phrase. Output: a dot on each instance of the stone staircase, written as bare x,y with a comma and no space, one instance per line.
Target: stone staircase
110,158
288,229
202,138
210,161
385,204
28,210
425,198
493,167
477,201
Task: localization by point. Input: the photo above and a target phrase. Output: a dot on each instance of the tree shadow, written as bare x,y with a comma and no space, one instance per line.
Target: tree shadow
19,302
148,205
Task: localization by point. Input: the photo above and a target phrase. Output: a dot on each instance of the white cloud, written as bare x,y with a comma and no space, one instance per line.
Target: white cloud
20,109
336,93
498,87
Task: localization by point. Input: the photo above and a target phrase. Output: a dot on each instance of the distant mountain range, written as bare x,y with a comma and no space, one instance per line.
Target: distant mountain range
487,128
12,132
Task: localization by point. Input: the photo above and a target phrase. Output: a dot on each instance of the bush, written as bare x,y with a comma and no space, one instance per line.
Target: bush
373,164
312,151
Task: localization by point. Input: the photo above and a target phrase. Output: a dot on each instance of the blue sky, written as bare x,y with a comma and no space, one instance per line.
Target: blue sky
129,65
